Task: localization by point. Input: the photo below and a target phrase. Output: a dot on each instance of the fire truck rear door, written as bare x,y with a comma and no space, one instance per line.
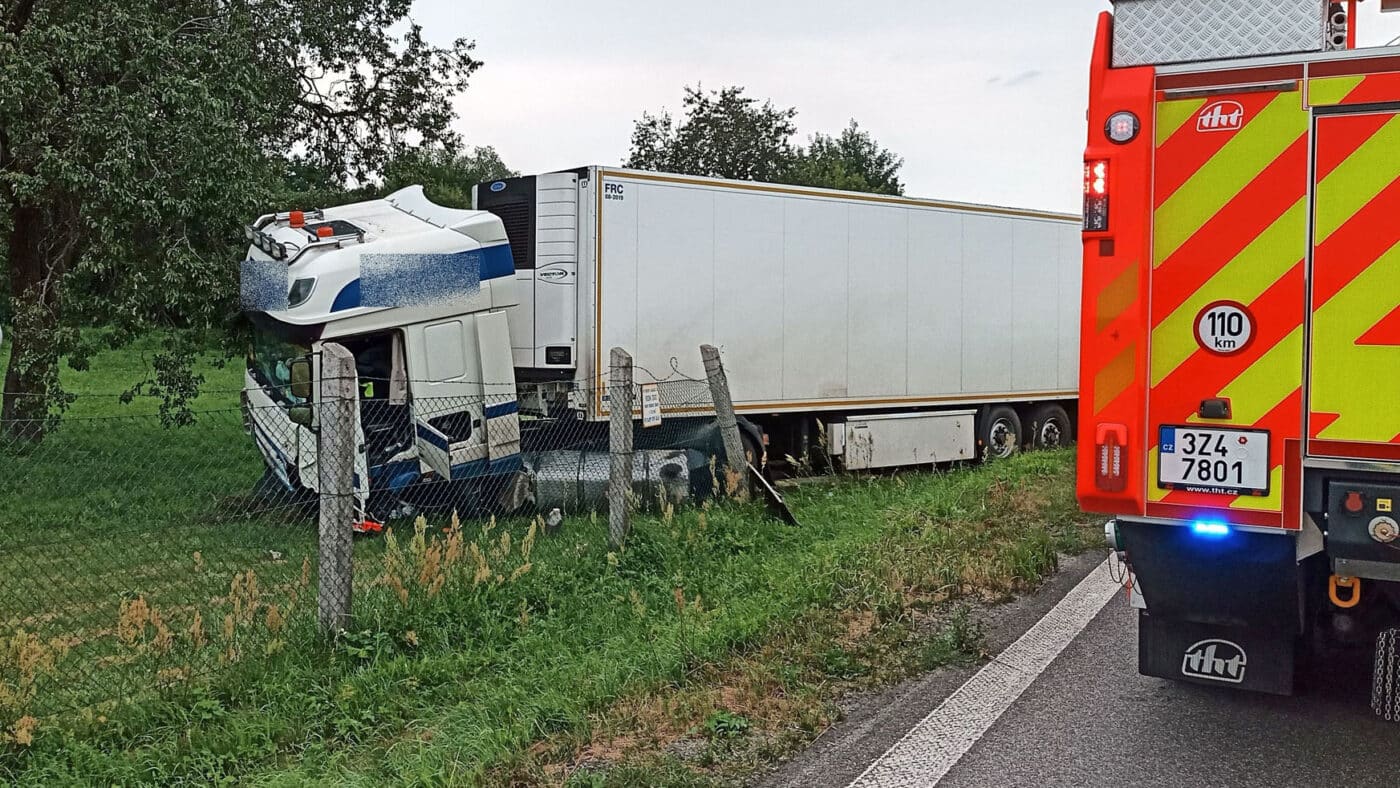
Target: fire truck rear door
1353,384
1229,243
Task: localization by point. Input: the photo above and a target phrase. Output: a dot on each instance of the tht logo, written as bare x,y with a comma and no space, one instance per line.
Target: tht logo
1221,116
1215,660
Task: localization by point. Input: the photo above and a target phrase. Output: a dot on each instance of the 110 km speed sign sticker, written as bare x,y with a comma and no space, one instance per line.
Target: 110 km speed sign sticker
1224,328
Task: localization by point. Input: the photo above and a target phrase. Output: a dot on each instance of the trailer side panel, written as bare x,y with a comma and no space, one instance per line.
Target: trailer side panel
827,301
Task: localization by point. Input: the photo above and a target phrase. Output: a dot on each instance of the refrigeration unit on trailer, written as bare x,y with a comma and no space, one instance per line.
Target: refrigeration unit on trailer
1241,334
914,330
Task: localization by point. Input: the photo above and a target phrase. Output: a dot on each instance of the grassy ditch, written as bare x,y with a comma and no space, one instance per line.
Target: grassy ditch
524,676
489,654
940,547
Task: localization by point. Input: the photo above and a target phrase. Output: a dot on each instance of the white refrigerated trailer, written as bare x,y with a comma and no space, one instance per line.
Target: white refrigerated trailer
913,331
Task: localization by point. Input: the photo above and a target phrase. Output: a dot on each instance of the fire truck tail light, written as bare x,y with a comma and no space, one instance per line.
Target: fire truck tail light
1096,178
1096,186
1110,455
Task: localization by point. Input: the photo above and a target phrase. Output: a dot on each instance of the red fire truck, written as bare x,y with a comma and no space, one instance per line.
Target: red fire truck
1240,373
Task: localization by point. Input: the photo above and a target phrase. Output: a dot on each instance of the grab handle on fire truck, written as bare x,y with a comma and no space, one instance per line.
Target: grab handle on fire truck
1353,583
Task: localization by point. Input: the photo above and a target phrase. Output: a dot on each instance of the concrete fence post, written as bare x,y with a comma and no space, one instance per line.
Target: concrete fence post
736,465
620,448
335,463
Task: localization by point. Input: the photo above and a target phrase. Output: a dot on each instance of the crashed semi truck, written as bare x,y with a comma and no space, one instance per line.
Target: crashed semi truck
1241,335
881,331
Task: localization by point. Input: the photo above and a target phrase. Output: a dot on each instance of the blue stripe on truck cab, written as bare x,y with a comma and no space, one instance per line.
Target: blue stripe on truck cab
347,298
430,436
409,279
491,467
497,262
503,409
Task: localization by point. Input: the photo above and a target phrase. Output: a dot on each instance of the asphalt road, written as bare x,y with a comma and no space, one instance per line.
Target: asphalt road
1089,719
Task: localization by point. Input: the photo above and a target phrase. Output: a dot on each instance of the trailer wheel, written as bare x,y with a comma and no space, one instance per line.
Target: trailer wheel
999,435
754,453
1050,422
1385,676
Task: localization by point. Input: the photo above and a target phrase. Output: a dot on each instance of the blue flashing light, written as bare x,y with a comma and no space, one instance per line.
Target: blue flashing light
1210,530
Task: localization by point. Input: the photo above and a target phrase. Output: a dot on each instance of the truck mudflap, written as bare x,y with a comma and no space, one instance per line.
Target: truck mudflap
1223,606
1252,658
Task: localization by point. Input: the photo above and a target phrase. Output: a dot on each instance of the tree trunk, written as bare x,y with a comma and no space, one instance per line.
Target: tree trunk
42,243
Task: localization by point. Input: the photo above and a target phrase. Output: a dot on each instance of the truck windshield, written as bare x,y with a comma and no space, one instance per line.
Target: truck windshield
270,363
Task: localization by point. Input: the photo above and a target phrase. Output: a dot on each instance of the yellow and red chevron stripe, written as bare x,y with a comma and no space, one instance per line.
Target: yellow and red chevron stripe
1231,224
1354,385
1231,227
1338,84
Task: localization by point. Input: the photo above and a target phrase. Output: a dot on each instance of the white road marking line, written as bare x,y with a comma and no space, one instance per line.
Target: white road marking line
931,748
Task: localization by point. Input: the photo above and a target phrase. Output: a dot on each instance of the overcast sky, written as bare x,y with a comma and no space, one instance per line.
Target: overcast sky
985,101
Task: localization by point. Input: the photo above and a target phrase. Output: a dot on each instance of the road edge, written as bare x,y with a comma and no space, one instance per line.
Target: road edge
875,722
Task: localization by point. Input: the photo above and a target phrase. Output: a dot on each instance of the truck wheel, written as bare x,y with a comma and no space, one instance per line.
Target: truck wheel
270,491
1385,676
1050,422
999,436
268,487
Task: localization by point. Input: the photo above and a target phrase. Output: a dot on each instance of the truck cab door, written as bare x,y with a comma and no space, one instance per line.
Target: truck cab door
462,386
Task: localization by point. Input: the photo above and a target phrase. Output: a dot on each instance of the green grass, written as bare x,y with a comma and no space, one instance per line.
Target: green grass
113,506
455,687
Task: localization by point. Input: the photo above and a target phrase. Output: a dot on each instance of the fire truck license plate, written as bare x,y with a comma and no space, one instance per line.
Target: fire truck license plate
1220,462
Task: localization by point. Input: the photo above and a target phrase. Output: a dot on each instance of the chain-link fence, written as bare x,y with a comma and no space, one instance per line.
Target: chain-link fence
139,555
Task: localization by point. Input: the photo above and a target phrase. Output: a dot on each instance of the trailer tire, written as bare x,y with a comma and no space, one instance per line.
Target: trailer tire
753,451
999,433
1051,426
1385,676
751,436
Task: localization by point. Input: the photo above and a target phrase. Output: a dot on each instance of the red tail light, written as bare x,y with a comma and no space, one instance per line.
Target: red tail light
1096,195
1110,454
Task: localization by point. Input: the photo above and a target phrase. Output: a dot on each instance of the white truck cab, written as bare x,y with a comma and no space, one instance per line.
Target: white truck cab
418,294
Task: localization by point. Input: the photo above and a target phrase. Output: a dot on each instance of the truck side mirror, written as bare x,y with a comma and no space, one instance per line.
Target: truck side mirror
301,378
300,414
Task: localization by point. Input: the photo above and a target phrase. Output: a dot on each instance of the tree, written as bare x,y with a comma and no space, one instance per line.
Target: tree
724,134
852,161
446,174
137,136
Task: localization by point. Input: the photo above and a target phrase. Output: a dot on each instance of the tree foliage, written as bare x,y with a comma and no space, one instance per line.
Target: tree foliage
137,136
446,174
851,161
725,134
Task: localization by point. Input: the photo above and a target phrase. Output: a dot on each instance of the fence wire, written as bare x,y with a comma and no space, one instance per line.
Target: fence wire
140,557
